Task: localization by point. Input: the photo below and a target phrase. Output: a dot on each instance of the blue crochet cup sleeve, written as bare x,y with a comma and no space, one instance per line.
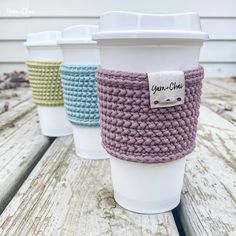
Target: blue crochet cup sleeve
80,96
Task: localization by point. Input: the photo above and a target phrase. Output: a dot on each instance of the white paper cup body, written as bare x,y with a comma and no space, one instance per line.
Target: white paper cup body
150,56
80,54
140,187
147,188
88,143
53,121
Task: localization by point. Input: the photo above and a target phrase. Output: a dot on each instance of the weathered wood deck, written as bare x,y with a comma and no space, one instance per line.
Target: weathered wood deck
47,190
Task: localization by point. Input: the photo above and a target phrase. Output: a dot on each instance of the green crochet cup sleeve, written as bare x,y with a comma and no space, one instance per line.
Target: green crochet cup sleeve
80,96
44,77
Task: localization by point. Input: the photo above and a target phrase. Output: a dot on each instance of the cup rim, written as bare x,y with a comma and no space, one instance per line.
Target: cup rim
76,41
150,34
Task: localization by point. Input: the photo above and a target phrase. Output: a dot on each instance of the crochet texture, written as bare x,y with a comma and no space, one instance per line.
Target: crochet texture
80,97
132,131
45,82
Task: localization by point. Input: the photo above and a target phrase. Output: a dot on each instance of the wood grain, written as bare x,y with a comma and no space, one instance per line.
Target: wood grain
65,195
229,84
13,97
22,145
219,95
208,202
7,119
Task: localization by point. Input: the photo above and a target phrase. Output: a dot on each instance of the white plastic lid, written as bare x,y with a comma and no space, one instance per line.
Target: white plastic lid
78,34
131,25
45,38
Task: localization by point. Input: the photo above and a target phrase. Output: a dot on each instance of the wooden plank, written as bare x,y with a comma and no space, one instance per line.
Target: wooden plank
208,202
65,195
218,95
10,98
229,84
22,145
7,119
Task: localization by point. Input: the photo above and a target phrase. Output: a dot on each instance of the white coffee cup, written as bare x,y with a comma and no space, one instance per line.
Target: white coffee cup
135,42
79,49
42,46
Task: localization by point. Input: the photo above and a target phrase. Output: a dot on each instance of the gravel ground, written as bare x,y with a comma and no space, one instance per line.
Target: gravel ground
14,80
9,87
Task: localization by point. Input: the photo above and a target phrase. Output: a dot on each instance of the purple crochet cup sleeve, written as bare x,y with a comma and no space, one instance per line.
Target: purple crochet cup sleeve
132,131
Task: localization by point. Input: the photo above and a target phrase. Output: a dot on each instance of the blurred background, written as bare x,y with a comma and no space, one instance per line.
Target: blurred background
20,17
